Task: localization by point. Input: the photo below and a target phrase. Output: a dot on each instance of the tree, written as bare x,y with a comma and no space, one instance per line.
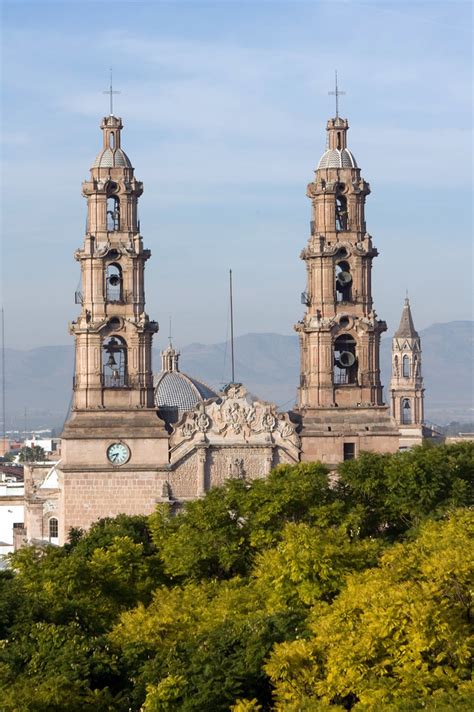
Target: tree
35,453
219,535
399,632
397,492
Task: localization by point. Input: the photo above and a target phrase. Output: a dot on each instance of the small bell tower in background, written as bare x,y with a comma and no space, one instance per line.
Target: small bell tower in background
407,391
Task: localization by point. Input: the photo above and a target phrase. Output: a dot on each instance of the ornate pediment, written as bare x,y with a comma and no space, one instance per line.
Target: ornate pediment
235,418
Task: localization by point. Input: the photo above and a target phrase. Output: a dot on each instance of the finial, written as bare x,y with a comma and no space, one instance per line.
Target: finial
337,93
110,91
407,301
169,336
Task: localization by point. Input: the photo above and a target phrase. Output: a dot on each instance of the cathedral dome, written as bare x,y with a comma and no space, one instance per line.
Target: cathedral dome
110,158
175,392
337,158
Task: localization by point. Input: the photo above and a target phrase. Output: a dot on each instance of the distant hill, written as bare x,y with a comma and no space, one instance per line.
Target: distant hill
268,364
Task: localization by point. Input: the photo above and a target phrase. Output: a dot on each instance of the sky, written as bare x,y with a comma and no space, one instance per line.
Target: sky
224,107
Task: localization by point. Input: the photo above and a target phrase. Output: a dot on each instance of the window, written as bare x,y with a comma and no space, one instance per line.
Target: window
53,528
345,361
113,213
114,362
343,282
349,451
113,282
406,411
341,212
406,367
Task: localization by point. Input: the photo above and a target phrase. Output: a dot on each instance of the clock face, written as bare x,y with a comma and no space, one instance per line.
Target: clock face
118,453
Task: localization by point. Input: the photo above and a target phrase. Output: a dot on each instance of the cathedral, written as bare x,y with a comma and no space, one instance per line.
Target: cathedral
134,439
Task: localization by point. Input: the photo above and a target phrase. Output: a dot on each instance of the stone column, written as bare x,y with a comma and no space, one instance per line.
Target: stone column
268,460
201,472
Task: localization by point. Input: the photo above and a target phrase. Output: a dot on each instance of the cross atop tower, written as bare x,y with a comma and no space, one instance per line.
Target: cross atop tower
337,93
110,91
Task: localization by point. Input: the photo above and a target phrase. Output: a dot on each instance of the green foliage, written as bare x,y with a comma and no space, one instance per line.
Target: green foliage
33,453
286,593
401,630
310,564
219,535
399,491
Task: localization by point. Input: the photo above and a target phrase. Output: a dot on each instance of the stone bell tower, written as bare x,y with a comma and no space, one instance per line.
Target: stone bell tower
407,382
340,397
113,443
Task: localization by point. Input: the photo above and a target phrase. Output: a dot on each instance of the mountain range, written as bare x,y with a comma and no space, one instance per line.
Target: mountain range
38,381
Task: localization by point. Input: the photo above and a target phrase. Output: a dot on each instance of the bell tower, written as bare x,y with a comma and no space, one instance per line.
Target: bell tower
340,398
407,389
113,434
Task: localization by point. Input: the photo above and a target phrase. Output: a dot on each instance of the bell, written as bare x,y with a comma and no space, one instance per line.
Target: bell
111,362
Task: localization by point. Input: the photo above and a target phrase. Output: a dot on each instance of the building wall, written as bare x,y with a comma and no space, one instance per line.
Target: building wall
86,497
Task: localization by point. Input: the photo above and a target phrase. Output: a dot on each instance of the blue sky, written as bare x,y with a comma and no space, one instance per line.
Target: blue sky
224,106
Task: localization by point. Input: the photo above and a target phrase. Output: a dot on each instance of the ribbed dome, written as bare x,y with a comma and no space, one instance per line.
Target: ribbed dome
175,392
335,158
109,158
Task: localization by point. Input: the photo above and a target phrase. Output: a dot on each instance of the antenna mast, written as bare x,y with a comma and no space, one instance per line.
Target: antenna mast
231,328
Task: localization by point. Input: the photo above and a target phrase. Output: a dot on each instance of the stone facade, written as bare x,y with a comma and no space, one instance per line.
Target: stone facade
114,445
124,452
407,391
42,495
340,400
232,436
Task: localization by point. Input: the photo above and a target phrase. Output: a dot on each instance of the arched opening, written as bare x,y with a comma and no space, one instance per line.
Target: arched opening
112,140
406,411
114,362
53,527
343,282
339,140
113,213
341,212
406,367
114,283
345,360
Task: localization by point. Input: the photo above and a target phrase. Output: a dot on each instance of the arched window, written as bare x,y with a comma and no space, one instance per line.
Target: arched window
112,140
345,360
114,362
341,212
406,411
53,529
343,282
113,213
406,367
113,283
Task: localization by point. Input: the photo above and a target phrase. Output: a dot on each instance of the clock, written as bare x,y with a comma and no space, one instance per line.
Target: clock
118,453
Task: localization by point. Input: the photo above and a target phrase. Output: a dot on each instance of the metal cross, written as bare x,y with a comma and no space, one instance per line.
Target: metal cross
111,93
337,94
